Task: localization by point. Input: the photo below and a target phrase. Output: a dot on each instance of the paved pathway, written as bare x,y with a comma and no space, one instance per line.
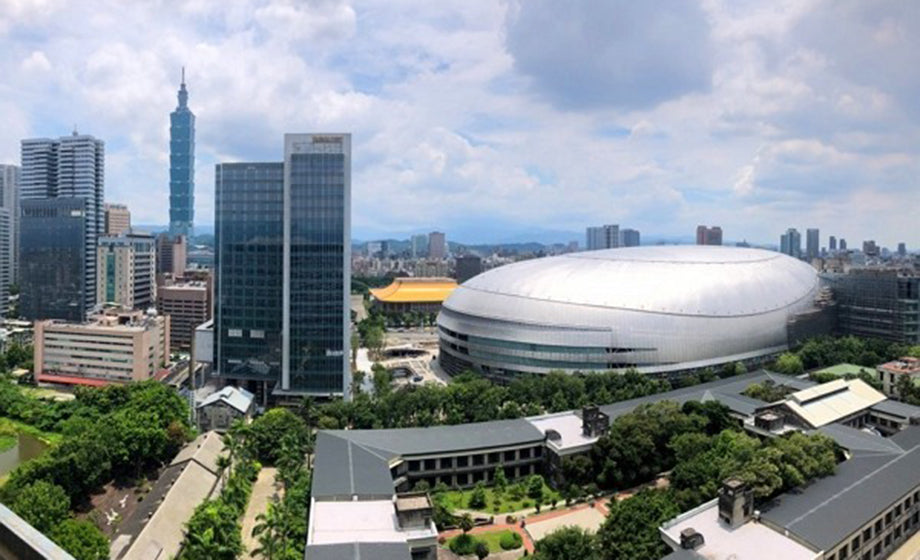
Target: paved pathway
262,491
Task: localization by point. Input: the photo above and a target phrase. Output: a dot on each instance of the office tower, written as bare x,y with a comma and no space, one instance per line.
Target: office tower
127,271
53,259
468,266
843,244
437,245
791,243
603,237
117,220
187,302
172,254
708,235
71,168
870,248
629,238
182,166
832,243
419,246
6,258
283,274
902,249
812,243
9,199
878,303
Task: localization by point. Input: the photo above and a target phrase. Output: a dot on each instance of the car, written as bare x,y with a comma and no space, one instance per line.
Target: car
417,379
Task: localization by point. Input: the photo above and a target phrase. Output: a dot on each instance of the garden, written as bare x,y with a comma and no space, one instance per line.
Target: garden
502,497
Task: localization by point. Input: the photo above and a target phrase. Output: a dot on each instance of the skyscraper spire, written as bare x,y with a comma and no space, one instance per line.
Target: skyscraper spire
183,93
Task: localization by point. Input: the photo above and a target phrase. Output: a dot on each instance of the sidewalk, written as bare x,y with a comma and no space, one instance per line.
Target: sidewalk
263,489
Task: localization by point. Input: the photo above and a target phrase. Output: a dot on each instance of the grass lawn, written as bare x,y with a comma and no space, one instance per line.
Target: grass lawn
11,427
846,369
460,499
492,539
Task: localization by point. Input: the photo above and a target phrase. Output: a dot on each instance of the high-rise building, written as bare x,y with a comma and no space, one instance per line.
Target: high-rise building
437,245
832,243
9,199
791,243
468,266
283,274
812,243
708,235
843,244
902,249
72,169
187,302
172,254
53,259
117,220
878,303
127,271
603,237
419,246
6,258
870,248
182,166
629,238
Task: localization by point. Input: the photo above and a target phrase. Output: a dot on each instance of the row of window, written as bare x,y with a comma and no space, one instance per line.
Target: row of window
477,460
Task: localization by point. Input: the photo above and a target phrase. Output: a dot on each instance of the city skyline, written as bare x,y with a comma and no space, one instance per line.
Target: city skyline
752,119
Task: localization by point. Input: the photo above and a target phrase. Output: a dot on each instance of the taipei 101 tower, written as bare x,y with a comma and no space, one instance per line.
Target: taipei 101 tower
182,166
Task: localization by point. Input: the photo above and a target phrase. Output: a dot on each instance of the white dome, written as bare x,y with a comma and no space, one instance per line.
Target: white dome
655,308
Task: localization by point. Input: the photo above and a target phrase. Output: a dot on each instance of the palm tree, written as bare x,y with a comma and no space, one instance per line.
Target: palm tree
271,530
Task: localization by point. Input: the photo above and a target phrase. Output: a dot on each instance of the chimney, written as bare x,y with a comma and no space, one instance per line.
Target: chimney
594,423
736,502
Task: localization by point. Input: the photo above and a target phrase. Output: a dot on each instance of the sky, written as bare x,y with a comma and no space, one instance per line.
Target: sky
501,120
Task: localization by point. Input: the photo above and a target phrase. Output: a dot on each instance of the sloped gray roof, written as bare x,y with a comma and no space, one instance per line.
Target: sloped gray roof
832,508
240,399
343,469
858,441
897,408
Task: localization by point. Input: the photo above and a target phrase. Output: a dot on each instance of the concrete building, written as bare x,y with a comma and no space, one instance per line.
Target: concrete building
708,235
663,310
6,258
902,249
468,266
603,237
218,411
126,268
870,248
790,243
891,373
72,169
283,269
157,527
9,200
812,243
629,238
188,304
172,254
182,167
878,303
843,244
117,220
21,541
437,245
412,295
832,244
112,347
419,246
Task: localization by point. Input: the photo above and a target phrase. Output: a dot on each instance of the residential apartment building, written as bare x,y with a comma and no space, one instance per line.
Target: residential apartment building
812,243
283,274
708,235
437,245
891,373
629,237
9,200
69,169
790,243
172,254
127,271
603,237
114,346
188,304
117,220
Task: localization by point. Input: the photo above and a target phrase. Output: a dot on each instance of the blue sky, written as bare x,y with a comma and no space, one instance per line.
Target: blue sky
497,119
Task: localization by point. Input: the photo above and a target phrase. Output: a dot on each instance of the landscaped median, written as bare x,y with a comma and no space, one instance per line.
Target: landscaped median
495,540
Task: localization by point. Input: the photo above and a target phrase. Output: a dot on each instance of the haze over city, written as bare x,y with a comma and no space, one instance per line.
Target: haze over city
499,121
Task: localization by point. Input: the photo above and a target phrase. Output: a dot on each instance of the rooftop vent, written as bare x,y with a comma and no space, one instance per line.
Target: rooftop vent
690,539
736,502
594,423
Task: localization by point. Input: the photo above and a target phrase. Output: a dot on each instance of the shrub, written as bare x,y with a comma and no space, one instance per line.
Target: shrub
478,497
510,541
510,520
463,545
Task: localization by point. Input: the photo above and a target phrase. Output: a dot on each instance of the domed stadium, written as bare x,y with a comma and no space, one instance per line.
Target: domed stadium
662,310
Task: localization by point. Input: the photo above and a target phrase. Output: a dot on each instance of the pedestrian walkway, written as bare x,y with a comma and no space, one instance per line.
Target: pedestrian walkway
263,489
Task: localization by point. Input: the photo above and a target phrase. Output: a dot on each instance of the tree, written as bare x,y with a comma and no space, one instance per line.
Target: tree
535,488
631,528
478,497
500,481
382,378
266,433
482,550
82,539
42,504
567,543
357,380
466,523
790,364
375,340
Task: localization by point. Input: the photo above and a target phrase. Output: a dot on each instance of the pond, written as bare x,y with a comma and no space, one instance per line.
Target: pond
27,448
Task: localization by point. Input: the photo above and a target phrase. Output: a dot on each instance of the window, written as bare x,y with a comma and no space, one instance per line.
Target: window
447,463
867,534
509,455
494,457
525,453
478,460
463,461
414,466
888,518
257,333
854,544
235,333
431,464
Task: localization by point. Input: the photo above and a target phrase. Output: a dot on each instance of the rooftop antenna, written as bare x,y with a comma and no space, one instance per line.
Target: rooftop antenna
75,133
183,75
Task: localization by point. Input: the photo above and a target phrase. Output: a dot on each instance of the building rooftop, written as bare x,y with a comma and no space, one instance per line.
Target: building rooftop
416,290
239,399
354,521
832,401
750,541
903,366
567,425
23,541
